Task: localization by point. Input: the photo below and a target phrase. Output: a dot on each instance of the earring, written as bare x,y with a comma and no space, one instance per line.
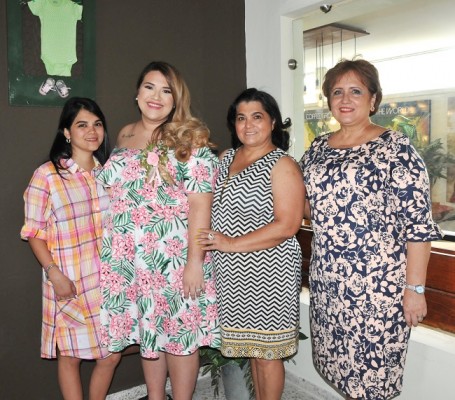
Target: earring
68,140
136,98
372,108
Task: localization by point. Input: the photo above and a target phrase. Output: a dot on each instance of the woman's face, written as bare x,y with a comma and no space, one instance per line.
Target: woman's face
350,100
154,97
253,124
86,133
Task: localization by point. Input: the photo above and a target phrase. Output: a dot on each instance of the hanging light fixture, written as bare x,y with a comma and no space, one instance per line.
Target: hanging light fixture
317,38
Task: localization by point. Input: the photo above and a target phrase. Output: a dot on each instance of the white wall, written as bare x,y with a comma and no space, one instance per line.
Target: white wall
268,32
268,35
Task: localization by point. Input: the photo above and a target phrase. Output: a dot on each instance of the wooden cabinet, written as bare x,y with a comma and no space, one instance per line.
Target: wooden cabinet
440,292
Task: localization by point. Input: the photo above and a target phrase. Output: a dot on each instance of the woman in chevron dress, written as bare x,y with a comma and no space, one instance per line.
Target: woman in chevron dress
257,209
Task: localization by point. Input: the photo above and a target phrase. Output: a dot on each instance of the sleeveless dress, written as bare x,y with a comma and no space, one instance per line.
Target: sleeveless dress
145,245
366,203
258,292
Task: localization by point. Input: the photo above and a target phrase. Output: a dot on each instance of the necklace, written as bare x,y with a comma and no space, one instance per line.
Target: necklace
226,181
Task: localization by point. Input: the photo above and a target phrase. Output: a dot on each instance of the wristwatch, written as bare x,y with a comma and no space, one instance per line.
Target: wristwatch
420,289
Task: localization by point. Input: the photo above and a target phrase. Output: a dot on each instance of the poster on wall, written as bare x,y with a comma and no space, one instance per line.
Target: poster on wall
51,51
413,118
317,122
447,219
410,117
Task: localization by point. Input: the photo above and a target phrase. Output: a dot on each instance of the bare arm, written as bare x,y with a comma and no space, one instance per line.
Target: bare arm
198,218
63,287
307,212
288,205
414,304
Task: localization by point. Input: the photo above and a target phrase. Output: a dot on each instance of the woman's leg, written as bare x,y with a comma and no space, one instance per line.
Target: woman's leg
102,376
69,377
268,378
155,374
183,372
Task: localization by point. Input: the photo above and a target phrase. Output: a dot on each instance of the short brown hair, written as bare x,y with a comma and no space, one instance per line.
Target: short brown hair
365,71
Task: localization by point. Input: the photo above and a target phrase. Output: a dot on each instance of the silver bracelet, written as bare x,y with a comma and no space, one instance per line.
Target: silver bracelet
47,268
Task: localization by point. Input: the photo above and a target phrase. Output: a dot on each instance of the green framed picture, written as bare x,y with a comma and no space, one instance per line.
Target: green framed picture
51,51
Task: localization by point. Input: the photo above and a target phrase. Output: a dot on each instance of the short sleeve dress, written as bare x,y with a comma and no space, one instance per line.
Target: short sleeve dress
258,292
366,203
145,245
66,211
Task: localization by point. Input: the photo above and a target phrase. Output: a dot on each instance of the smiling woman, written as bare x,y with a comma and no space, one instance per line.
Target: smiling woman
86,134
159,289
257,209
368,193
64,210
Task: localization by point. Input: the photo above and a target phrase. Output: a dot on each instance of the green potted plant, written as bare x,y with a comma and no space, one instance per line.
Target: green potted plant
213,362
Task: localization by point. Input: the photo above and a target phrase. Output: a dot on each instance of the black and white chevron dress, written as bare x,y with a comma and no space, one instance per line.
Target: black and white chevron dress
257,292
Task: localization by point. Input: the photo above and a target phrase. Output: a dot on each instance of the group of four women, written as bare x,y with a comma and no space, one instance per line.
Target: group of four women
161,244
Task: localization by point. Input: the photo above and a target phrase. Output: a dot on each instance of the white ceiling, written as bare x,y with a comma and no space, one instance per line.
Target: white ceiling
396,27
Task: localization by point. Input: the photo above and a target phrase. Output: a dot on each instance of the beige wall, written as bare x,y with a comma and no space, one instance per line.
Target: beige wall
205,39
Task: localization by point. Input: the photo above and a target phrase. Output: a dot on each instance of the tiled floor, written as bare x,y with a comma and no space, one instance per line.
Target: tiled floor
296,389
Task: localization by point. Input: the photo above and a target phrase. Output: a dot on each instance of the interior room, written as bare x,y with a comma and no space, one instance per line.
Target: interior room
222,47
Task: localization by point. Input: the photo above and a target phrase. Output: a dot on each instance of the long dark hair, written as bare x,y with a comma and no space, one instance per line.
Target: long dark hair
280,135
60,148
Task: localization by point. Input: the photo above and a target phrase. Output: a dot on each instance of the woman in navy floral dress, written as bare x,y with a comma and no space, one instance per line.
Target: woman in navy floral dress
370,207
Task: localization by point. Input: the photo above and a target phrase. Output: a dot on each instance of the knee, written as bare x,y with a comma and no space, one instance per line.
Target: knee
69,362
111,361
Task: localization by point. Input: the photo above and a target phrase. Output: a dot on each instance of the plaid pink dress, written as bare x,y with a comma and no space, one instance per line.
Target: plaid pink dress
67,214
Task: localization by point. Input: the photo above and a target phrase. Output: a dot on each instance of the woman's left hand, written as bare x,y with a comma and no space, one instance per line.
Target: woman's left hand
213,240
414,307
193,281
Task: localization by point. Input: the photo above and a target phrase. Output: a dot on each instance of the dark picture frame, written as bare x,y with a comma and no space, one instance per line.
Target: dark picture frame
26,71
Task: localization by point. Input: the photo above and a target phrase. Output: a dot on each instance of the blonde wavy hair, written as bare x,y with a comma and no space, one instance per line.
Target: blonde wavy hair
181,131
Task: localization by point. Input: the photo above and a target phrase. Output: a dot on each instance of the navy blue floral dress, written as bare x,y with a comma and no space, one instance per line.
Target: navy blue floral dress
366,203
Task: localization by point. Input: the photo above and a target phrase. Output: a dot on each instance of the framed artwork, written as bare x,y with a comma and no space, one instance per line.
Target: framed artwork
410,117
317,122
413,118
51,51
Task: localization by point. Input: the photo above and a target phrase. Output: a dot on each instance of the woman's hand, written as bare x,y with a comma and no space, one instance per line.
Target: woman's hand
414,307
213,240
193,281
414,304
64,287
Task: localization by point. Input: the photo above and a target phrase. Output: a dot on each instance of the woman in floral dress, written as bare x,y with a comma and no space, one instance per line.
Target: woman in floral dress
157,283
368,192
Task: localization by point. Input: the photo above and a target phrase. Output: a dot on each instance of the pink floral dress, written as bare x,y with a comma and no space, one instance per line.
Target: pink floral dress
366,203
144,252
